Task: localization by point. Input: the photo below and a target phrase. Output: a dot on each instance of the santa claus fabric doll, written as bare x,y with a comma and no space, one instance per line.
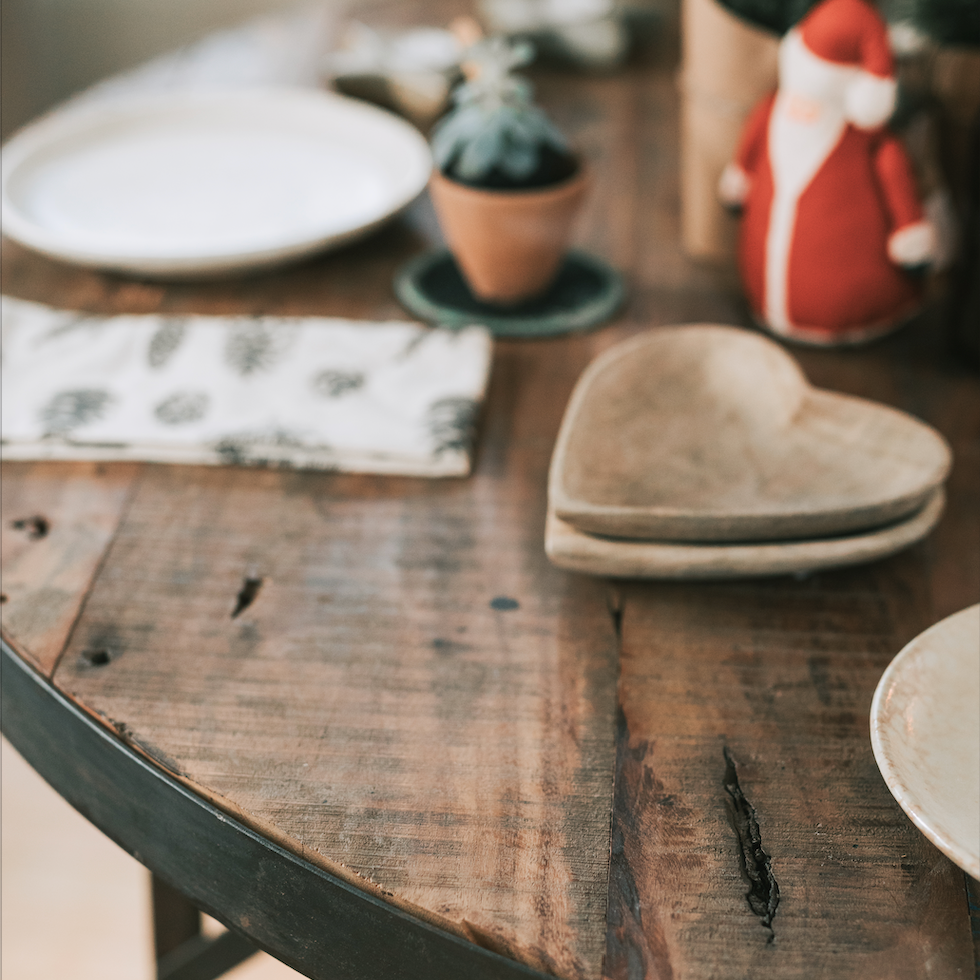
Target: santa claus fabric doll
831,216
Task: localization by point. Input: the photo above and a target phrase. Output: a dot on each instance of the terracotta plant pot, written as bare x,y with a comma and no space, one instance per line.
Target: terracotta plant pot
508,243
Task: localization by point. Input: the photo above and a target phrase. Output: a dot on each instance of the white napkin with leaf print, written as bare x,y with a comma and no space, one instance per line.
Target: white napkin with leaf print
305,392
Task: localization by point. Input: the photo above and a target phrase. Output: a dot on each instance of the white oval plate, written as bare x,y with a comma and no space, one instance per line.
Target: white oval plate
196,183
925,732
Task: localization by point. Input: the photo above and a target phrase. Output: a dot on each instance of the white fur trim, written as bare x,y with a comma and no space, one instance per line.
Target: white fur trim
914,244
733,185
798,148
803,73
870,100
864,99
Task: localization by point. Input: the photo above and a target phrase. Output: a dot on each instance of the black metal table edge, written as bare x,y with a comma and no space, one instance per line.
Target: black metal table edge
311,920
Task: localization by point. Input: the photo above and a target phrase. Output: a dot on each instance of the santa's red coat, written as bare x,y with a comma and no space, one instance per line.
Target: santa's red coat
840,282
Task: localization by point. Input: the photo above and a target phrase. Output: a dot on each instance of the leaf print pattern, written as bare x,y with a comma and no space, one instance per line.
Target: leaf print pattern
256,345
70,323
70,409
414,343
166,340
333,384
452,424
253,448
182,407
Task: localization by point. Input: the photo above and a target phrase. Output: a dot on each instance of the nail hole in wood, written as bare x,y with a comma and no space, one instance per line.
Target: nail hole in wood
98,657
246,595
37,527
3,598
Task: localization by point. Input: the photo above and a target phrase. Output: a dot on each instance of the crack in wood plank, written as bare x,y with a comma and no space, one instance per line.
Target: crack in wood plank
628,952
754,863
128,499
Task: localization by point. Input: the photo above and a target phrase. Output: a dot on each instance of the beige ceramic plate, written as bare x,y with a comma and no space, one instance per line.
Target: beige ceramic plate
925,731
570,548
711,433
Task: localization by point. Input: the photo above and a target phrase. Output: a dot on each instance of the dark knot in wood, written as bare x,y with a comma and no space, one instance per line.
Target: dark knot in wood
37,527
246,595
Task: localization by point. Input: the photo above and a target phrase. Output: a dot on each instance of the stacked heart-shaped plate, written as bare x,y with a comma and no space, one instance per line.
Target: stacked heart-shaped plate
702,451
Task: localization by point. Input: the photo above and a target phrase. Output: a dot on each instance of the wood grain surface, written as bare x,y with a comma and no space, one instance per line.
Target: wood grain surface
282,903
768,683
58,522
387,678
413,693
771,685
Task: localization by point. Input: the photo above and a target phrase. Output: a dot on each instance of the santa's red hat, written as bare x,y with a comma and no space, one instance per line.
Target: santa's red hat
852,34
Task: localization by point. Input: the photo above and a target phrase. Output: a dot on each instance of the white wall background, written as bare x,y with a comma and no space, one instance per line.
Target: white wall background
52,48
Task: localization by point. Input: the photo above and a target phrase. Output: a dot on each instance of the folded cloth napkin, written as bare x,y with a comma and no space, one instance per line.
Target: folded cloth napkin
308,392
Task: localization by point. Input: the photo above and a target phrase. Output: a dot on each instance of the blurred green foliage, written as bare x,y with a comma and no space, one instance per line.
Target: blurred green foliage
945,21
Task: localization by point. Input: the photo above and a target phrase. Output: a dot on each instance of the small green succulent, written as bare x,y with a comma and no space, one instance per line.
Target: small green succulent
495,134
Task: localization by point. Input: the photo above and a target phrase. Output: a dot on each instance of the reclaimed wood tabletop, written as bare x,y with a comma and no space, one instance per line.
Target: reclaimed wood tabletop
363,721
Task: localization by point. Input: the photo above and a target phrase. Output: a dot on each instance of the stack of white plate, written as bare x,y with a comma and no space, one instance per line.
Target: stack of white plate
702,451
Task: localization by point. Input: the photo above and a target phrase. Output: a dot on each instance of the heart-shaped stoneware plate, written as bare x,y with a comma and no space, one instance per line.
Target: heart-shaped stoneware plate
712,433
577,551
925,732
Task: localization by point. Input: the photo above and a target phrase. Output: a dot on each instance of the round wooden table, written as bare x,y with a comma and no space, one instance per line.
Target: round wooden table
418,750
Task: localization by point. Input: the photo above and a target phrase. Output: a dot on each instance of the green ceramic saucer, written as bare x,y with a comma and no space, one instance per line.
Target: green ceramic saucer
586,292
